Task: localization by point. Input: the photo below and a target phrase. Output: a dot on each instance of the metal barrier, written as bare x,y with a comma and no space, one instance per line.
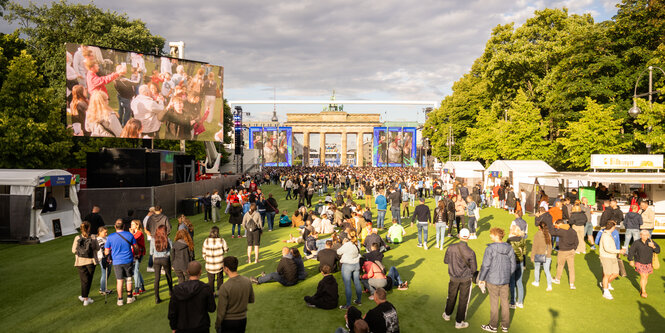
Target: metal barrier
15,217
114,202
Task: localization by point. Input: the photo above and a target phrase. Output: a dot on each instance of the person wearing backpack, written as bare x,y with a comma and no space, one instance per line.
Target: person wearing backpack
85,249
119,245
252,223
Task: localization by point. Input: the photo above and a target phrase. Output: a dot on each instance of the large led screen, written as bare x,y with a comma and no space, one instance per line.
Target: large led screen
274,144
114,93
394,146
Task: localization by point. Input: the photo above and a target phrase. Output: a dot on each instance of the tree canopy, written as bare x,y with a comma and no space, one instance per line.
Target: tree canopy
548,75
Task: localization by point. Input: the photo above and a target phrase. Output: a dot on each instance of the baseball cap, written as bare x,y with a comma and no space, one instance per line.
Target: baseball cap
464,233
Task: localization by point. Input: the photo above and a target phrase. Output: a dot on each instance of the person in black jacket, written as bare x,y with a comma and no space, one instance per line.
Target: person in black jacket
286,274
328,256
191,302
206,201
567,245
326,296
423,216
96,220
462,266
641,257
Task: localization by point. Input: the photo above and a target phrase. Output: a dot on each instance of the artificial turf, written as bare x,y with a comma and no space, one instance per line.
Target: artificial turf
39,287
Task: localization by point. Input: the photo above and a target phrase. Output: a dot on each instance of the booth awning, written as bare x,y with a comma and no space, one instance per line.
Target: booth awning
36,177
532,168
612,177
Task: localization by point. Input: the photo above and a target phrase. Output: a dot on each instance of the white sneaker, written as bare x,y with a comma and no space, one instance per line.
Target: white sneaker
150,270
535,284
461,325
520,305
420,245
513,306
88,301
131,300
548,289
445,316
607,295
572,286
555,281
120,303
609,286
425,247
81,299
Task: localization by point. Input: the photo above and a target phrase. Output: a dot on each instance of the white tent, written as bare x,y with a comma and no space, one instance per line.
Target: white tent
35,183
464,169
517,172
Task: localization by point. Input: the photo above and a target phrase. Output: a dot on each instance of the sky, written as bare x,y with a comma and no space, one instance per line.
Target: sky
364,50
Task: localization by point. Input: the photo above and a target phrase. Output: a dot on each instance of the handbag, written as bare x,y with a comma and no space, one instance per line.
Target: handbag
655,262
540,258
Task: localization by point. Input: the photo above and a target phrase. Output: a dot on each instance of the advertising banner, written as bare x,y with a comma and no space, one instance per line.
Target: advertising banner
124,94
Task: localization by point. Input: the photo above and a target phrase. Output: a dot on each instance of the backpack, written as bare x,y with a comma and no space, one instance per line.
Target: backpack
251,225
85,248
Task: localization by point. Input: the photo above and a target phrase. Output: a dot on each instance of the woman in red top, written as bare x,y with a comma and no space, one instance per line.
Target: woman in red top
135,229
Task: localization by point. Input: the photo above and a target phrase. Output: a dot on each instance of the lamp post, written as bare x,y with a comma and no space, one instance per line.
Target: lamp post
635,111
450,141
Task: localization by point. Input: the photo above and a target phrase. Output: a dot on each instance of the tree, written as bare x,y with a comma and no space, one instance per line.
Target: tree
482,139
651,117
596,132
31,133
524,134
3,3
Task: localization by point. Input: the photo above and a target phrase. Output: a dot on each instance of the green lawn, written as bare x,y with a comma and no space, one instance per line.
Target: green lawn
39,287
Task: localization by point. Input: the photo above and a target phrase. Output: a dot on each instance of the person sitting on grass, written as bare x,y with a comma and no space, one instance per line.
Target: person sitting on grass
328,256
351,317
374,238
286,274
284,220
297,220
326,296
310,248
297,258
373,278
395,233
374,254
383,318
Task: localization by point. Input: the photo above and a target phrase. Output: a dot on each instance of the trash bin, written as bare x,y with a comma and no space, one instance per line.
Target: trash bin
189,206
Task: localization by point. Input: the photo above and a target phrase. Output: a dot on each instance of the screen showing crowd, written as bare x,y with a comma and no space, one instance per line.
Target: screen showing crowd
113,93
394,146
274,145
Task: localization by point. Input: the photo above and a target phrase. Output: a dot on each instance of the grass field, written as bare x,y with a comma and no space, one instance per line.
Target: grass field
39,287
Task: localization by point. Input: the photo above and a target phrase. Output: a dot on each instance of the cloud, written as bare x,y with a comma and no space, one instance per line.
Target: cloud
401,49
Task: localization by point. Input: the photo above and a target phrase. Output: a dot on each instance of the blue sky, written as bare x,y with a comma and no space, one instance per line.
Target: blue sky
369,50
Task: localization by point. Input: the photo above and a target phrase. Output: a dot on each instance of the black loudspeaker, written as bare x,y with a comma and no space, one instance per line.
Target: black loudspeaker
130,168
185,168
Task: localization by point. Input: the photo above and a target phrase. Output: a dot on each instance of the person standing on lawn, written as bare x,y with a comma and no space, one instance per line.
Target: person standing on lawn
517,240
103,264
234,295
648,217
350,260
216,202
566,255
271,209
326,296
85,248
95,220
462,265
588,227
440,218
423,216
395,198
498,265
641,257
632,222
252,223
191,302
381,206
160,250
578,221
135,229
213,251
119,245
608,254
183,254
542,247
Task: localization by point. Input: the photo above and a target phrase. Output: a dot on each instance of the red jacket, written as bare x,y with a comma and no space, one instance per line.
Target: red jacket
96,82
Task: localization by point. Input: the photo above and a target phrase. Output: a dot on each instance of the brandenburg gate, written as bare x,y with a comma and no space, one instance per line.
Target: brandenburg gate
333,122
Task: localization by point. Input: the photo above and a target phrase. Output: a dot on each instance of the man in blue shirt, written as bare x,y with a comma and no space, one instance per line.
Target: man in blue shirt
119,245
381,206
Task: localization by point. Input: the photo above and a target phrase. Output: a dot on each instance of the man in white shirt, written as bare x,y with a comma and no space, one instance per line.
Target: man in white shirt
145,109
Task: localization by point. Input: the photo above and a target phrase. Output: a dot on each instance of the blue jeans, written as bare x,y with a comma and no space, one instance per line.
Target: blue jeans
394,275
124,110
394,210
471,222
631,233
440,233
271,219
233,228
436,199
351,272
106,273
263,218
516,285
546,268
138,279
422,229
380,217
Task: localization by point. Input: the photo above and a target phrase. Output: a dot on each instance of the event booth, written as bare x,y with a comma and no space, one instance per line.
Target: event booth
38,204
467,173
526,175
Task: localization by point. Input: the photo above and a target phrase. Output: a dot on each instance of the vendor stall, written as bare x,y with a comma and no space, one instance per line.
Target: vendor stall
468,173
523,175
42,204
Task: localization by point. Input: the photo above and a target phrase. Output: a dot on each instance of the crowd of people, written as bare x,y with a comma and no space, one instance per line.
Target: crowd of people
353,246
171,102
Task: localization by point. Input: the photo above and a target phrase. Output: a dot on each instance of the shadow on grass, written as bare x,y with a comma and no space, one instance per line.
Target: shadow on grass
407,272
555,316
650,318
483,225
593,262
477,298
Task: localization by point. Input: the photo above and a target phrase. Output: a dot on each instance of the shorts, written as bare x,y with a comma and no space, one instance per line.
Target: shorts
254,238
610,265
588,229
123,271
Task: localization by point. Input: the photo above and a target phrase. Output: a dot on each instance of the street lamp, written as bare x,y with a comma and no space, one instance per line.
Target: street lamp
635,111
